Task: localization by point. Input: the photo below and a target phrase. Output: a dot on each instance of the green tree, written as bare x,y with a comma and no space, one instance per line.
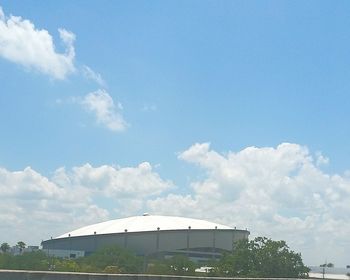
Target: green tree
124,260
21,245
262,257
66,265
177,265
30,261
181,265
158,267
5,247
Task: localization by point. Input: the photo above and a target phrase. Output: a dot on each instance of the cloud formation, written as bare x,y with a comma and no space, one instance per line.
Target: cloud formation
92,75
22,43
278,192
33,206
108,114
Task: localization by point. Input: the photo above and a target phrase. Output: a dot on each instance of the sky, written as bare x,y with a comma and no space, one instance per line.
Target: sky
235,112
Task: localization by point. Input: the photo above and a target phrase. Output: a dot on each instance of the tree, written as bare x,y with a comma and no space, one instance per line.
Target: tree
329,265
262,257
181,265
5,247
177,265
114,256
21,245
29,261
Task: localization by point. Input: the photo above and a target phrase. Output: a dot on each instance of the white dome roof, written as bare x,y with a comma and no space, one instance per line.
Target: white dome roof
144,223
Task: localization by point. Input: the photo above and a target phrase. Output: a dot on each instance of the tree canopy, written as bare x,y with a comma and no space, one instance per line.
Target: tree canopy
5,247
120,259
177,265
262,257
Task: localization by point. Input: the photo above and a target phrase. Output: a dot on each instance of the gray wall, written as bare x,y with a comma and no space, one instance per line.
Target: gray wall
146,243
35,275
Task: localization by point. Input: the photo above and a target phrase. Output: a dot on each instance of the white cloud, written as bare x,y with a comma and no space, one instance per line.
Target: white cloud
277,192
30,202
2,15
34,207
22,43
127,182
107,113
321,160
91,75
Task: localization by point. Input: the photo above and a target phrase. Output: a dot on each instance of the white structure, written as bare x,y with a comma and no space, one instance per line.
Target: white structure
148,235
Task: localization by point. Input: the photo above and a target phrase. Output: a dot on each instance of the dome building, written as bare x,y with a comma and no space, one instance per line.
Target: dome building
149,236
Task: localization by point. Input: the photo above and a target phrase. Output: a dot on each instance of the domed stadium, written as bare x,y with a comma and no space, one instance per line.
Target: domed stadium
149,236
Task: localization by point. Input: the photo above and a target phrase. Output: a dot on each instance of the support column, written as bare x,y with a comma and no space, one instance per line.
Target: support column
70,245
157,242
188,240
214,243
125,238
95,241
233,241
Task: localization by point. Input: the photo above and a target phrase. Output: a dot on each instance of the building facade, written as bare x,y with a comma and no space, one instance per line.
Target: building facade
150,236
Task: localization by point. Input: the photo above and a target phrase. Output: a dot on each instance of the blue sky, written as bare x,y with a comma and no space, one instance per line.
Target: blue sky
134,90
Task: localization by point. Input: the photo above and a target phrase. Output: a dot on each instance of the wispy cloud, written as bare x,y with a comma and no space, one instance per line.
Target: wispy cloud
149,108
92,75
106,111
22,43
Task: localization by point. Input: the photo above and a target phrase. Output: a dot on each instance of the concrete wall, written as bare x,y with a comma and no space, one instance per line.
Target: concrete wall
44,275
146,243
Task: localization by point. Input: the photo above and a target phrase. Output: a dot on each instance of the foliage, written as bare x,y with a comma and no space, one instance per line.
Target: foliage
109,260
181,265
30,261
262,257
324,265
177,265
66,265
112,269
157,267
115,256
21,245
5,247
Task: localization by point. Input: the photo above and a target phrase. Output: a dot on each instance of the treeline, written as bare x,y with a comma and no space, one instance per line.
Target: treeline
261,257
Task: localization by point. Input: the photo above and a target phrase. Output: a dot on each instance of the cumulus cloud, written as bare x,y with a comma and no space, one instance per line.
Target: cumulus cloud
30,201
107,113
33,48
278,192
34,207
22,43
2,15
127,182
